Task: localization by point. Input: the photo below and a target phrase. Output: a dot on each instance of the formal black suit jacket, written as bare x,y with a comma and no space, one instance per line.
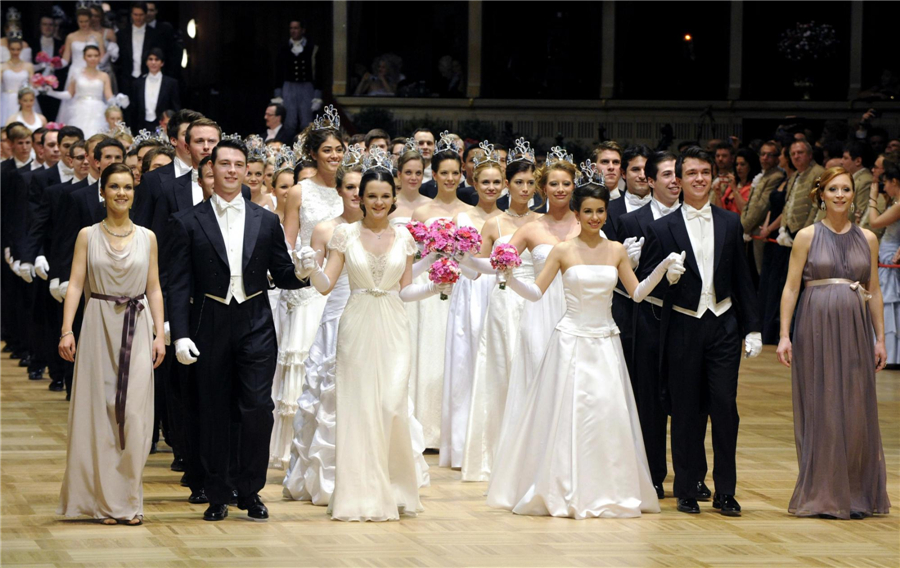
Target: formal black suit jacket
198,249
78,208
284,135
169,99
125,63
37,240
17,192
731,273
614,211
464,193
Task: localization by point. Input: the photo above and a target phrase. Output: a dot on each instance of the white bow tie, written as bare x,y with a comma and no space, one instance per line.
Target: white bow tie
195,176
704,212
636,201
154,78
237,204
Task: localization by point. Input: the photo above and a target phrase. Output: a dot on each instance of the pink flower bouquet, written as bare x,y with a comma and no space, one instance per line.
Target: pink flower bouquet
51,81
56,62
42,57
505,257
419,232
444,271
440,238
467,240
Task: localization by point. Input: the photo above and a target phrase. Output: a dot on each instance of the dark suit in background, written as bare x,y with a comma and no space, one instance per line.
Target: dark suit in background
168,99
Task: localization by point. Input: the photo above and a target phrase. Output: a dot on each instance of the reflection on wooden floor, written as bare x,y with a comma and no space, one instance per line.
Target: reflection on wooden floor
456,529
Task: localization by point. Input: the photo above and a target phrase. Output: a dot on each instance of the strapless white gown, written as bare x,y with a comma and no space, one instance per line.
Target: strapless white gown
490,379
76,66
577,450
299,313
468,305
12,82
88,106
428,332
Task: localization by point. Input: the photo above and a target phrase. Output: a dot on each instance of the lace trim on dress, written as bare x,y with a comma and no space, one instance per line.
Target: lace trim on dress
340,239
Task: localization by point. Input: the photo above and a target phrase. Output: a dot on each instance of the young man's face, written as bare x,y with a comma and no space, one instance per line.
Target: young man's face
47,29
22,148
154,64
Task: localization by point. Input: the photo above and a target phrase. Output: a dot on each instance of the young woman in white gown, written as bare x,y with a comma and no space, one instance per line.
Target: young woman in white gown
468,306
426,381
375,466
577,450
15,74
309,203
496,347
88,92
73,54
27,114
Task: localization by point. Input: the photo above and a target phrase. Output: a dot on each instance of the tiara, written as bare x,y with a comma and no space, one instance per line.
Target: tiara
587,175
285,159
411,146
14,34
490,156
256,147
143,136
353,156
119,129
233,138
446,143
58,13
521,152
87,4
378,159
558,154
13,15
331,120
299,152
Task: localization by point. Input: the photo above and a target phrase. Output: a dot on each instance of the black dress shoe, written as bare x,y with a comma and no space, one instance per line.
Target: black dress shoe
16,355
177,465
153,449
727,505
6,349
198,497
184,481
234,498
255,508
25,361
688,506
703,492
57,386
660,493
215,513
35,375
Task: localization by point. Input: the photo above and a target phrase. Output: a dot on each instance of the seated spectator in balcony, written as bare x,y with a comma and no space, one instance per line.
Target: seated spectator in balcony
453,82
384,78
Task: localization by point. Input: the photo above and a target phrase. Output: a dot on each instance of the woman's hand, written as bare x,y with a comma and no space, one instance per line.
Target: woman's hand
896,257
159,350
67,348
880,355
785,352
765,231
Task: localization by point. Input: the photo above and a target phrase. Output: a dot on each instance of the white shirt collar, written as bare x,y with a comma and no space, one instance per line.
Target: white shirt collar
633,201
152,24
65,173
659,210
272,132
21,164
91,179
154,76
221,206
181,167
141,29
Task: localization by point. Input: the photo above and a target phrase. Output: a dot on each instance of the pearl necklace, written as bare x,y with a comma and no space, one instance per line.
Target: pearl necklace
513,214
106,227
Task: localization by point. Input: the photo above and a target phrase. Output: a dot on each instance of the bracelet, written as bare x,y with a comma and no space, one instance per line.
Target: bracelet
67,333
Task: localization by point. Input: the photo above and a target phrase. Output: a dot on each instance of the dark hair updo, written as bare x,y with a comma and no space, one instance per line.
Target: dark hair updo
443,156
377,175
517,167
588,191
117,168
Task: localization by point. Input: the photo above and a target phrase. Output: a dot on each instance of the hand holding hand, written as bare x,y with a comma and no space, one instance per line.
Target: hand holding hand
305,262
752,345
185,351
41,267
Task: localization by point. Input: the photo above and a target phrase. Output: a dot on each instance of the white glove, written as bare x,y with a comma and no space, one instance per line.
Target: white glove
185,351
61,95
752,345
316,105
416,292
15,267
528,290
633,248
784,238
648,284
7,255
482,265
676,269
423,264
121,100
305,263
41,267
168,333
54,290
63,288
747,237
26,272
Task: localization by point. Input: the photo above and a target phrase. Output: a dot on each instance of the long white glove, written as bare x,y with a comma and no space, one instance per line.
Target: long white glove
63,288
26,272
15,267
61,95
416,292
305,263
423,264
41,267
784,238
672,264
185,351
168,333
528,290
112,53
633,248
482,265
54,290
752,345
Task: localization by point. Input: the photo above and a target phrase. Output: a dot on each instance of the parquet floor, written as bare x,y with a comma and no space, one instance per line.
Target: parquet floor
456,529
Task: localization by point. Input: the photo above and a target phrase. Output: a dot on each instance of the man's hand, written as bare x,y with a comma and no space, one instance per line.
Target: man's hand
185,351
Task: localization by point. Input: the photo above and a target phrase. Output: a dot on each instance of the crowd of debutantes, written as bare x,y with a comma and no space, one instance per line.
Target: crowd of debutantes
337,310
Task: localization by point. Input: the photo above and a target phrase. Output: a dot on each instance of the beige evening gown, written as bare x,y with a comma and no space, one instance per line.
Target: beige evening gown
102,479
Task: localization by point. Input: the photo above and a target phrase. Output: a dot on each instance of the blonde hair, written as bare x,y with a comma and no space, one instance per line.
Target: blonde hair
542,174
823,180
485,166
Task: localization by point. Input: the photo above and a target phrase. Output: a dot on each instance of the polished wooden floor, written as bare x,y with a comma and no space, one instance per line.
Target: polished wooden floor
456,529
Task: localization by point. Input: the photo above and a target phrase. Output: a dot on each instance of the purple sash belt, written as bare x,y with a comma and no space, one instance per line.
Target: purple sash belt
131,312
